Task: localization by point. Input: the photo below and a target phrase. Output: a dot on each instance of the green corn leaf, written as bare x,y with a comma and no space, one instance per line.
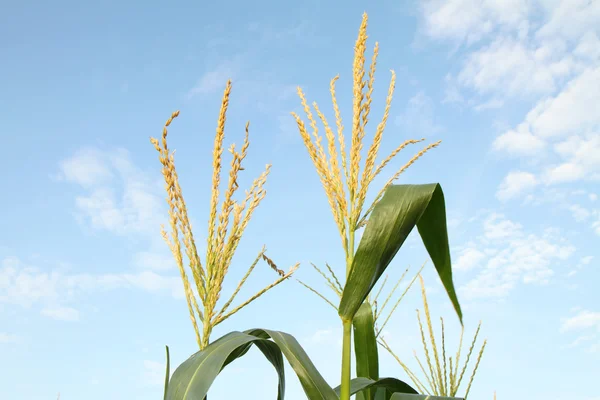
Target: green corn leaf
365,348
273,354
313,383
391,384
401,209
237,353
193,378
382,394
167,374
404,396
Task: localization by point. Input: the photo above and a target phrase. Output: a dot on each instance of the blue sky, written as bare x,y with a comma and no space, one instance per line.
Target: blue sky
89,295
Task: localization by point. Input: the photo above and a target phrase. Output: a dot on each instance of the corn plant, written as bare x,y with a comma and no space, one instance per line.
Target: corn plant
387,222
233,218
390,217
442,376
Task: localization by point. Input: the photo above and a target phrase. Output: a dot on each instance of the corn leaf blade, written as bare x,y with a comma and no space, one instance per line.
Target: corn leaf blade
313,383
404,396
401,209
194,377
167,373
391,384
365,348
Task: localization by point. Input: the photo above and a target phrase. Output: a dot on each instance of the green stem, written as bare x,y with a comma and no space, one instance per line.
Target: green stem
347,339
346,361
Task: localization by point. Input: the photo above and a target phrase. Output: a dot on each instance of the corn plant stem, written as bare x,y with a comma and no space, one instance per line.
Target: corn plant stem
346,360
347,339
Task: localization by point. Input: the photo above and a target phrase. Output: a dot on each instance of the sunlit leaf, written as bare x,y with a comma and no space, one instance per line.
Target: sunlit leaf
404,396
392,384
401,209
194,377
167,373
365,348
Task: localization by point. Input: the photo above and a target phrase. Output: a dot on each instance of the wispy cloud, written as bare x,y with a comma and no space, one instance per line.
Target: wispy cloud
567,124
8,338
516,54
88,168
61,313
118,197
418,117
246,67
505,255
509,67
516,183
154,261
528,55
519,141
489,105
470,21
56,292
214,80
586,323
469,258
584,319
580,204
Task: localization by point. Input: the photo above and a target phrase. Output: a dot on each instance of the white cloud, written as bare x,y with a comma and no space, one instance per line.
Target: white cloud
519,142
471,20
490,104
155,261
561,199
516,58
418,117
452,91
571,122
468,259
546,51
23,285
516,183
580,340
86,168
579,213
61,313
54,290
509,67
566,172
589,47
497,227
586,260
509,256
8,338
572,111
570,18
583,261
587,323
596,223
571,115
254,84
120,198
215,80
